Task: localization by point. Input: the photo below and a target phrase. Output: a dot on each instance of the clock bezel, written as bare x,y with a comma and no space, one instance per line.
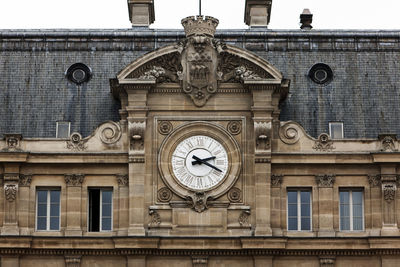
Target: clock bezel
187,130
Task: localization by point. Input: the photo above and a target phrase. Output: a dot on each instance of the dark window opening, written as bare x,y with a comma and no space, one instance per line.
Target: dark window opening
321,73
100,210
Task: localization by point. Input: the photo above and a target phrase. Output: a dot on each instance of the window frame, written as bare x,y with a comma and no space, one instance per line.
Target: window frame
351,218
48,207
298,204
101,189
330,129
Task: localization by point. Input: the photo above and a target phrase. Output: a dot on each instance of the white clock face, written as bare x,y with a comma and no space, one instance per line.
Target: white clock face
200,162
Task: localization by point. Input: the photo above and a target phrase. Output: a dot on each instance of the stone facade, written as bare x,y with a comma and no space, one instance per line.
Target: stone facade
119,197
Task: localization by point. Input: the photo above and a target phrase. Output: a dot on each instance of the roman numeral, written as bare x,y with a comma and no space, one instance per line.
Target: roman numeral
220,162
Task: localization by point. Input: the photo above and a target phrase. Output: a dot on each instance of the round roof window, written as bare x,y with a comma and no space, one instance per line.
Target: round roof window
321,73
78,73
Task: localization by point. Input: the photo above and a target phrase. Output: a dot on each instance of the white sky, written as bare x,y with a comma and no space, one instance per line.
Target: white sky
328,14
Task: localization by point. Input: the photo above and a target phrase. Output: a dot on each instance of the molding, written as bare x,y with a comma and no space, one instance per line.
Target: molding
74,179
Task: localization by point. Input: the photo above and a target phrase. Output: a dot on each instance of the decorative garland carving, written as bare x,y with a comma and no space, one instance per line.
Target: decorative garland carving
136,131
388,142
10,191
276,180
76,143
25,180
165,127
235,195
155,218
389,191
13,142
325,180
74,179
234,127
374,180
122,179
244,218
289,133
110,132
262,131
323,143
198,201
164,195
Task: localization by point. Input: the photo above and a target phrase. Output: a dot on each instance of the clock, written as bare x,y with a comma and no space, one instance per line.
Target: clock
199,157
200,162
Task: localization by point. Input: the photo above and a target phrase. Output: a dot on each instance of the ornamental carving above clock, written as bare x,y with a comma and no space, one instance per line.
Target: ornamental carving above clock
199,161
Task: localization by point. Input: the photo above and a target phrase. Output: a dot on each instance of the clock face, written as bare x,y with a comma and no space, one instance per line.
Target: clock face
200,162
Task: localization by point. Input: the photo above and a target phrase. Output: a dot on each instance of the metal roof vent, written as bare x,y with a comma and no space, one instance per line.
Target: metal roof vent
78,73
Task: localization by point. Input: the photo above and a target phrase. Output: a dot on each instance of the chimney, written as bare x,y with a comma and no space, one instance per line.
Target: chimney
141,12
257,13
306,19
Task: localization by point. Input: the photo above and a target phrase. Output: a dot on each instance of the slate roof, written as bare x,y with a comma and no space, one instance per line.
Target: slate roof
364,93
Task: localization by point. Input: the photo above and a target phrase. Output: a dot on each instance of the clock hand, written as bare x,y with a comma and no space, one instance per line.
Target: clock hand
194,162
205,163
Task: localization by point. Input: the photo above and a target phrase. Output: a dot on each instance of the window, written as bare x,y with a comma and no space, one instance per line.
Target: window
336,130
63,129
100,210
299,210
78,73
48,210
321,73
351,210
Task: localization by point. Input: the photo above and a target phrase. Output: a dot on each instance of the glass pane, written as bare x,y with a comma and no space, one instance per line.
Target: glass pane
106,210
292,197
62,129
55,196
357,198
305,197
344,197
357,224
336,130
42,210
357,210
54,223
292,210
292,223
106,224
305,224
42,196
41,223
54,210
345,223
107,196
344,210
305,210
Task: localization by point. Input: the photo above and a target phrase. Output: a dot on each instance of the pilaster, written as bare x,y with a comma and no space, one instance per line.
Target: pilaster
276,208
23,204
10,220
325,204
123,203
74,204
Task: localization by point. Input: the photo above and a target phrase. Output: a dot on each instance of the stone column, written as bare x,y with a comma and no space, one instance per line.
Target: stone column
276,224
136,261
74,203
137,173
72,261
389,188
10,261
325,203
123,204
10,223
263,261
23,206
262,131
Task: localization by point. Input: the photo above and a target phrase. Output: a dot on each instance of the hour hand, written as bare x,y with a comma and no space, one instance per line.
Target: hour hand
194,162
205,163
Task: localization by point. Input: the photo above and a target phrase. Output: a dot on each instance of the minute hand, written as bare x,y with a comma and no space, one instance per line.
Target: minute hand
205,163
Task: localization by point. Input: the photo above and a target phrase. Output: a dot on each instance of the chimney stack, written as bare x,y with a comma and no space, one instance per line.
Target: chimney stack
141,12
306,19
257,13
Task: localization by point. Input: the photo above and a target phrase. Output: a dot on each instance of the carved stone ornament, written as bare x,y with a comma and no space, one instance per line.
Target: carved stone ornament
122,179
198,201
136,131
25,180
199,59
165,127
74,179
244,218
276,180
388,142
10,191
374,180
164,195
327,262
234,127
262,132
323,143
72,260
200,261
13,142
76,143
235,195
325,180
289,133
110,132
389,191
155,218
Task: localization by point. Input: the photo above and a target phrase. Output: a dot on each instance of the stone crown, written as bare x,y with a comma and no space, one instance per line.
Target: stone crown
199,25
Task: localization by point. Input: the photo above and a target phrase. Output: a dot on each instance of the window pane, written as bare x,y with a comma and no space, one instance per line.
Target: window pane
55,196
344,211
107,196
305,197
54,210
62,129
106,224
305,224
106,210
54,223
42,196
357,210
292,223
305,210
42,210
344,197
357,198
344,223
357,224
292,210
41,223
